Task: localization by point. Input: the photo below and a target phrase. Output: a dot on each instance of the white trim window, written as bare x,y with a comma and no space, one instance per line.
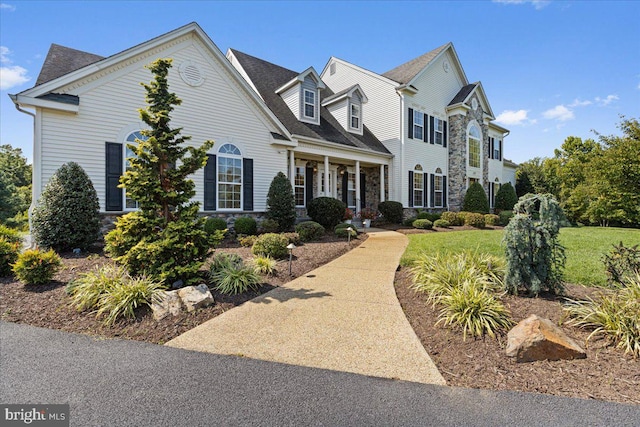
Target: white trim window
309,107
438,130
129,203
355,119
323,191
299,186
229,178
438,189
351,190
496,149
418,125
418,187
474,137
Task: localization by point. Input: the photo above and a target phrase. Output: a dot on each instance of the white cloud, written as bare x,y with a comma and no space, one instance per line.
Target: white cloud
514,118
606,101
4,52
10,75
560,113
537,4
577,103
8,7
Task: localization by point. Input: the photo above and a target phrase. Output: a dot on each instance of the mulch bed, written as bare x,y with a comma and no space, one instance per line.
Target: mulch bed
48,305
606,373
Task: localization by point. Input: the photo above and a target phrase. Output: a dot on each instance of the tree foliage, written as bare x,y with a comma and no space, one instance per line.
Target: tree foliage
475,199
506,197
15,182
165,238
281,205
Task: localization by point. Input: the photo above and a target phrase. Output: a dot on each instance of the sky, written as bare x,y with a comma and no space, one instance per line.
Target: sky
550,69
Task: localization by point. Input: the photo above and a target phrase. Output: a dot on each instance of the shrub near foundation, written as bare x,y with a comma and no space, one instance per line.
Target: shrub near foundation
391,211
35,267
423,224
272,245
310,230
246,225
8,255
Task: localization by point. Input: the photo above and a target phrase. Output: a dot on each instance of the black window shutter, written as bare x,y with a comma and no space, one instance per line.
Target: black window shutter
210,183
444,191
247,184
410,188
432,194
308,185
491,194
363,190
345,187
410,122
432,130
113,155
444,136
425,135
500,148
492,142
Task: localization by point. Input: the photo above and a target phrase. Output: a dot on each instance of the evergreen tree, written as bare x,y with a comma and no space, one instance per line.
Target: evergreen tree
165,238
281,205
475,200
506,197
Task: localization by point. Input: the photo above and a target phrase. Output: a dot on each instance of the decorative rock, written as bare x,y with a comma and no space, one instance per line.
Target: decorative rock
177,284
194,297
536,338
170,303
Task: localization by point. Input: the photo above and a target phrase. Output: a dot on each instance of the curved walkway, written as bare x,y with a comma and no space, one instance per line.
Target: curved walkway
343,316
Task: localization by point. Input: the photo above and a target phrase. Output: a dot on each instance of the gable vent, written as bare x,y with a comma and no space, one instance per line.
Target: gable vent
191,73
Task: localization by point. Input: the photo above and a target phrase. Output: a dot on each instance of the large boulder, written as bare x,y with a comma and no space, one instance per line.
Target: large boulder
194,297
536,338
169,303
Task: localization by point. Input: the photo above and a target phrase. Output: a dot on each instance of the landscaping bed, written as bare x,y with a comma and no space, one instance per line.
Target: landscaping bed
49,306
606,373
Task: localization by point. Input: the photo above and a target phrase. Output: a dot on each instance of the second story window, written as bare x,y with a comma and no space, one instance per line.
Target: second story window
474,147
418,125
438,130
309,104
496,149
355,116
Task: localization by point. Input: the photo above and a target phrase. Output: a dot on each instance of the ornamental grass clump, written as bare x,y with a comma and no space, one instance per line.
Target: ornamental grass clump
614,315
264,265
86,290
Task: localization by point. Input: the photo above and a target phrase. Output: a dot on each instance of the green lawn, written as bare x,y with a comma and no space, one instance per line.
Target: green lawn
585,247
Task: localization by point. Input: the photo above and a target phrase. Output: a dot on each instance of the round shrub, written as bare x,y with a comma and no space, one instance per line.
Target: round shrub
272,245
67,214
35,267
474,220
341,230
345,226
462,217
424,224
247,241
423,215
269,226
475,200
428,215
309,230
442,223
391,211
293,238
8,255
9,234
246,225
491,219
409,221
505,217
281,205
326,211
506,197
211,225
452,218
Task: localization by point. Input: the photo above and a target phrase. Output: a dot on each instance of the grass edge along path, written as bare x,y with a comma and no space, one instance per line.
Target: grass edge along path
585,247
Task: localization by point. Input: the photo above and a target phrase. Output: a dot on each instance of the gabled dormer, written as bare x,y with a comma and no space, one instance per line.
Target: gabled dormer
302,95
346,107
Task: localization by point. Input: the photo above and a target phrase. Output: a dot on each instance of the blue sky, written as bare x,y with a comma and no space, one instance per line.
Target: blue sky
550,69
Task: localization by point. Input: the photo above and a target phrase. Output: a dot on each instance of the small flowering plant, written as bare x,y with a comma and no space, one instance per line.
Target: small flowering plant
368,213
348,214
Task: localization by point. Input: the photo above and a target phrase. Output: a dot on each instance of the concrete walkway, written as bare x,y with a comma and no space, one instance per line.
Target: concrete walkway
343,316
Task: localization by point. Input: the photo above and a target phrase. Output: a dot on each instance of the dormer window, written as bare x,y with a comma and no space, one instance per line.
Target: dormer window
346,106
355,118
309,104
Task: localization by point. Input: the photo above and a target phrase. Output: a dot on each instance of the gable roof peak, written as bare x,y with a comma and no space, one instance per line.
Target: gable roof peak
62,60
406,72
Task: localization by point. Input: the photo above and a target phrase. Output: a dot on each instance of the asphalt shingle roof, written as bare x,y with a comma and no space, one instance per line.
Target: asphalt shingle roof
62,60
268,77
463,93
406,72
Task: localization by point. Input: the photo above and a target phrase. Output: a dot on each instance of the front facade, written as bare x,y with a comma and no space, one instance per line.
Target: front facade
418,137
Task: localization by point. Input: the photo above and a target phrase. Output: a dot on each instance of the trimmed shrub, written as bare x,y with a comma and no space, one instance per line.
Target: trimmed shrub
281,205
272,245
475,199
505,217
310,230
345,226
422,215
10,235
326,211
442,223
622,264
35,267
474,220
269,226
344,232
67,215
491,219
430,216
264,265
214,223
245,225
462,217
293,238
506,197
452,217
424,224
9,252
247,241
409,221
391,211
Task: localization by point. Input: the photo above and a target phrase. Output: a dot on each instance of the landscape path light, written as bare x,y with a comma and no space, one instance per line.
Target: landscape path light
349,230
291,247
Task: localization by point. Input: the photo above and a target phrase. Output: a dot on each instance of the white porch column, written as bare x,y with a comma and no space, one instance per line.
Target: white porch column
328,192
357,185
382,183
292,168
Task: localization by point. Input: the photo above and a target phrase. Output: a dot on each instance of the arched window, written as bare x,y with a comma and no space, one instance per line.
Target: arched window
475,138
229,177
418,186
129,203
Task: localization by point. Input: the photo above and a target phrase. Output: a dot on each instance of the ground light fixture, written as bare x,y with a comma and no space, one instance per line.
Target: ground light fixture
291,247
349,230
